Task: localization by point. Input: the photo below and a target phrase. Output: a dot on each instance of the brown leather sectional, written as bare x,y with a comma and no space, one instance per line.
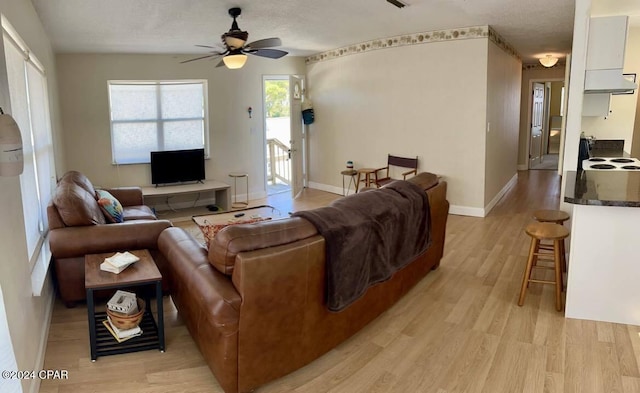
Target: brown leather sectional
254,302
78,227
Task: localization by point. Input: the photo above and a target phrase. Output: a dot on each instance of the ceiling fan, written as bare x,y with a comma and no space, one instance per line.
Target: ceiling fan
235,51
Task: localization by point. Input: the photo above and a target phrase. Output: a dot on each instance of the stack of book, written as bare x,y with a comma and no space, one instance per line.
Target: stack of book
118,262
119,334
122,304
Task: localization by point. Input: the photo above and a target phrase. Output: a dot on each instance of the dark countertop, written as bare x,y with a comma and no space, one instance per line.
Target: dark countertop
603,188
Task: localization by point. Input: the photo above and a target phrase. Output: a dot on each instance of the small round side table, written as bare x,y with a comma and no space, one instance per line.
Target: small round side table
235,176
352,178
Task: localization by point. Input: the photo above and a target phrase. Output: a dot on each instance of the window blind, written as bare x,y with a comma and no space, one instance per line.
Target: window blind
151,116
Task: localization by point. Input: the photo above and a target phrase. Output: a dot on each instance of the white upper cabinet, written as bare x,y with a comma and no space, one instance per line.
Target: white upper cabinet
607,40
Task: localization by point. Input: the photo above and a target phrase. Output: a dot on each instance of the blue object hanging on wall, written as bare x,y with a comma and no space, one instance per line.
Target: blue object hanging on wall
308,116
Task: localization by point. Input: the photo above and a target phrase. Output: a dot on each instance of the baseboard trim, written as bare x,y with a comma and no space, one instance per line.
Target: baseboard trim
458,210
42,347
523,167
327,188
500,194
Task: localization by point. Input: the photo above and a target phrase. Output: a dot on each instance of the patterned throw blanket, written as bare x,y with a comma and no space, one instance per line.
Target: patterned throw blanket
369,236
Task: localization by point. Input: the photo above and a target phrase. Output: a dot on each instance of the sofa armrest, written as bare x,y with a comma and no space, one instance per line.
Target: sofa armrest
128,196
439,206
92,239
282,288
207,301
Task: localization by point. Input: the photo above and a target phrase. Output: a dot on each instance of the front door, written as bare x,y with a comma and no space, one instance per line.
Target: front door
537,115
298,140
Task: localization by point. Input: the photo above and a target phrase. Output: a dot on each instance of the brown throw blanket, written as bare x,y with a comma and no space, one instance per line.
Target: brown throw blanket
369,236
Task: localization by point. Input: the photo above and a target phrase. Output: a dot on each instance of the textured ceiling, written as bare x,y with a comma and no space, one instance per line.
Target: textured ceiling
532,27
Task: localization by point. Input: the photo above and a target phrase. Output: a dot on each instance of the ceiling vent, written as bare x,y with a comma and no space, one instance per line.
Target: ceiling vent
397,3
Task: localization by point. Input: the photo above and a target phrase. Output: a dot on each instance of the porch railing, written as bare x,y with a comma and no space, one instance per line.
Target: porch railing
278,162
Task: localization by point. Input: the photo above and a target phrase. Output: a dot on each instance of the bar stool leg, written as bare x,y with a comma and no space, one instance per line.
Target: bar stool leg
527,272
558,269
564,256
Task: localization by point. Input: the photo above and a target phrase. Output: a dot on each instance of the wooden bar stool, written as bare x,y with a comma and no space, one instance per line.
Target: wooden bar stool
548,231
556,217
368,180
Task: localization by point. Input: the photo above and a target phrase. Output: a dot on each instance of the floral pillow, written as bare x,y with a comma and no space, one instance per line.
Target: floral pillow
110,206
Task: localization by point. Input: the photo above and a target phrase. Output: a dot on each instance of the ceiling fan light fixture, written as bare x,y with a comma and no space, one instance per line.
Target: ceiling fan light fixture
234,62
234,42
548,61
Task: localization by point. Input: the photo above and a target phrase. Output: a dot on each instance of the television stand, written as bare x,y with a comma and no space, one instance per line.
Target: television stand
223,197
178,184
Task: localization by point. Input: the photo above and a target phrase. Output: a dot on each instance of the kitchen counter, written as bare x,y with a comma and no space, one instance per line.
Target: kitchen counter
603,269
603,188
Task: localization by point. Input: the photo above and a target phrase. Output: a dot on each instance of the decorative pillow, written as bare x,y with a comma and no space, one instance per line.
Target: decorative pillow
110,206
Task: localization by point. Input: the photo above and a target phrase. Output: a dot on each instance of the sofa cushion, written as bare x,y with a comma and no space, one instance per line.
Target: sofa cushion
110,206
76,205
79,179
248,237
139,212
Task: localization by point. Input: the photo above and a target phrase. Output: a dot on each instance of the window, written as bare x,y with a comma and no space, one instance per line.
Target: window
151,116
30,108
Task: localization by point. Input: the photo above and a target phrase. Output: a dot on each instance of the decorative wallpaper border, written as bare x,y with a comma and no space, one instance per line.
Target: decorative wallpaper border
502,44
464,33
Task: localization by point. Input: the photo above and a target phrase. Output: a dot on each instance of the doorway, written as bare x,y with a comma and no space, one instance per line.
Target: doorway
546,112
277,119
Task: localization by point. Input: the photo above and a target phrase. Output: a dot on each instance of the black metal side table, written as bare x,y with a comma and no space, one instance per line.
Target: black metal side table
142,273
352,179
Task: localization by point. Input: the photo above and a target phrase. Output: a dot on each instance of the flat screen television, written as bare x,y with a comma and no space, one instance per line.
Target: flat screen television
177,166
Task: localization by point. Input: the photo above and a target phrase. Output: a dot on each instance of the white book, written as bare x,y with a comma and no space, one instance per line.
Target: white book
107,267
121,259
125,333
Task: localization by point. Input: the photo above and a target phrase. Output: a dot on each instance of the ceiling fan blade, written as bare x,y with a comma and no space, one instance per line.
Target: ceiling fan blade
200,58
270,53
207,46
221,64
265,43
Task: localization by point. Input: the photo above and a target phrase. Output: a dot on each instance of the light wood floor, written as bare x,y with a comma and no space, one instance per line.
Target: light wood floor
458,330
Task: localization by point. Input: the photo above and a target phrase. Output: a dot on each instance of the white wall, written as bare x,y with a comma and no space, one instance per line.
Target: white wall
619,124
576,90
237,141
503,114
27,316
424,100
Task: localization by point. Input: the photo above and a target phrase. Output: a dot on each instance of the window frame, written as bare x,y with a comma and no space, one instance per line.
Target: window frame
38,125
160,122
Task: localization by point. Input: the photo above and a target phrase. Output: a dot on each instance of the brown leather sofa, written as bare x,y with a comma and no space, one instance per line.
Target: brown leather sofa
255,301
78,227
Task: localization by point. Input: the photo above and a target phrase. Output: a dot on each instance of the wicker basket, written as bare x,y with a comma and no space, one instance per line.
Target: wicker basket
124,321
